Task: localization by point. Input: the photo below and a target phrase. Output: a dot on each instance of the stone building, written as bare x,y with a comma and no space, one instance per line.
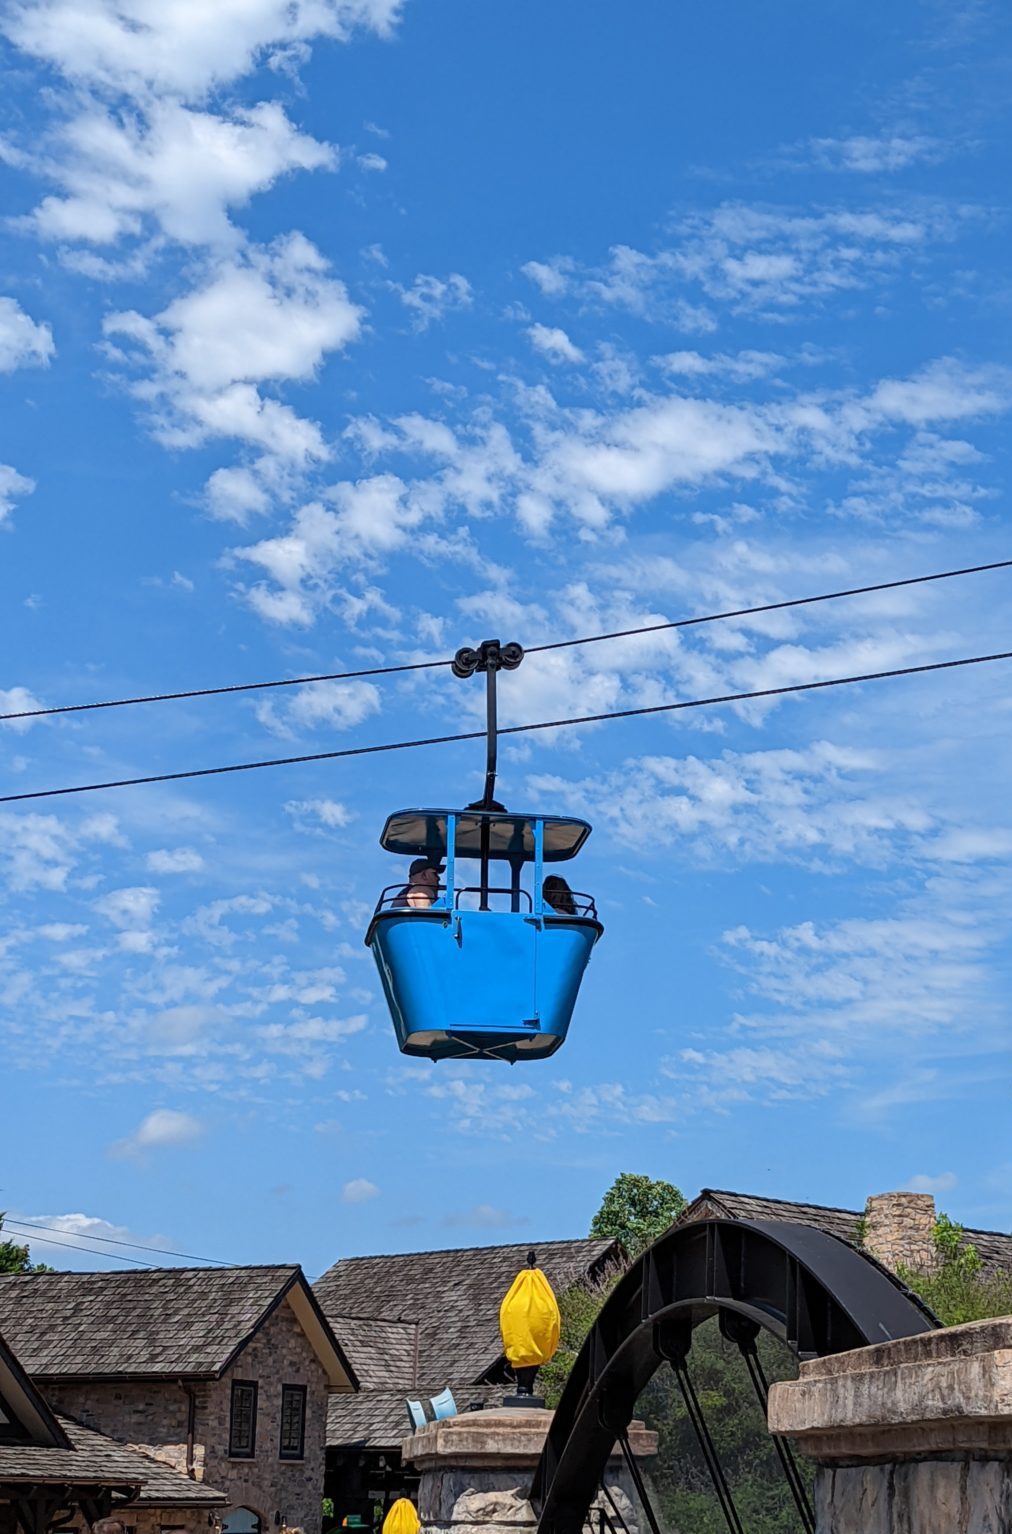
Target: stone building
221,1374
895,1228
411,1325
54,1470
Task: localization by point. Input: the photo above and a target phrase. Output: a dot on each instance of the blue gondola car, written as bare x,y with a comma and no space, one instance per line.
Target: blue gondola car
489,971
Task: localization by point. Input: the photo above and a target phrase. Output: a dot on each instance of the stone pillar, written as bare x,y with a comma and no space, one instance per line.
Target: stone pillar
477,1468
908,1437
899,1229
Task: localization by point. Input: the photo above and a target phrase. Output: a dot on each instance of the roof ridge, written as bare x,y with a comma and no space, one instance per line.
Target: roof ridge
133,1273
766,1198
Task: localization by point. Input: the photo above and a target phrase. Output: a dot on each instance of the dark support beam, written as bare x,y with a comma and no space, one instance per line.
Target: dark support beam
815,1292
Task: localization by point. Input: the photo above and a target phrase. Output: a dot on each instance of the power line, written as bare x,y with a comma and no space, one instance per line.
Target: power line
137,1246
774,607
558,644
75,1247
213,692
514,729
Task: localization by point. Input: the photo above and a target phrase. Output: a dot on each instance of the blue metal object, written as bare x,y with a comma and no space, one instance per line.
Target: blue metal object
488,970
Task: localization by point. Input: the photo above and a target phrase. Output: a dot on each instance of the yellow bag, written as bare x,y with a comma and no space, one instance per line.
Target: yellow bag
402,1518
529,1320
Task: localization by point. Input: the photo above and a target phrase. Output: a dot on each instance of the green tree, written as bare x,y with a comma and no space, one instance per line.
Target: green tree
636,1210
957,1288
15,1258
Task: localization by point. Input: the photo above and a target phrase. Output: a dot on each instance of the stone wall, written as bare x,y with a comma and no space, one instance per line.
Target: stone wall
151,1415
957,1496
908,1437
280,1354
476,1470
153,1520
900,1230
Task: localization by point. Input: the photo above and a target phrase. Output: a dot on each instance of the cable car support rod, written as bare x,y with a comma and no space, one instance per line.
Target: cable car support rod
490,657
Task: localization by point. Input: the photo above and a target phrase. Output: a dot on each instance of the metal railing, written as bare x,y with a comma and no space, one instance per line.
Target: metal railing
395,898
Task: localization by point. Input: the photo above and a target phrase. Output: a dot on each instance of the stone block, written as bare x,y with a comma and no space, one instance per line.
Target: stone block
939,1392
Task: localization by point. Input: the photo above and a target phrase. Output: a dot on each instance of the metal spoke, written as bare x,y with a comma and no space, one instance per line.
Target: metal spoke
706,1444
637,1480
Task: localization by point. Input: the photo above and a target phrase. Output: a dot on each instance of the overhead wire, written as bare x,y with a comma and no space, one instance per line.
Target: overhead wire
514,729
557,644
22,1227
76,1247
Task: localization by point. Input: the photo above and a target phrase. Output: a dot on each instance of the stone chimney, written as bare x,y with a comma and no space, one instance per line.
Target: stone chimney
900,1230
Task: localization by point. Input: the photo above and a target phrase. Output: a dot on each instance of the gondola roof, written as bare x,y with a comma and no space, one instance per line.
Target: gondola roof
414,833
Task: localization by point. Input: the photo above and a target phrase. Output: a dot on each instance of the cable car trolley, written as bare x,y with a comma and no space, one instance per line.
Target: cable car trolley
473,964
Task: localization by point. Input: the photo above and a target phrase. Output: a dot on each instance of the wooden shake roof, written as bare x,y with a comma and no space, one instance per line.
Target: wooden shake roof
416,1322
155,1322
993,1247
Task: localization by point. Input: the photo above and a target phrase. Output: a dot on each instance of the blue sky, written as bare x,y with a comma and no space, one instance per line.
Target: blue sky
344,332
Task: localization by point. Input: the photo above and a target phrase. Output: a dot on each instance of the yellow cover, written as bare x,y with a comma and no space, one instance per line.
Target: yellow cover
402,1518
529,1320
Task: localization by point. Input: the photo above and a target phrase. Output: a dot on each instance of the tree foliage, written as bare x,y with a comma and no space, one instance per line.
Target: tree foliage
15,1258
636,1210
958,1288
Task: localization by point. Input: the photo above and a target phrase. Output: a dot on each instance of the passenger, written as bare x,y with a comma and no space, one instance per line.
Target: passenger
422,887
559,896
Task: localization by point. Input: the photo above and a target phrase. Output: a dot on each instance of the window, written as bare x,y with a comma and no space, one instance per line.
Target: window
242,1433
293,1421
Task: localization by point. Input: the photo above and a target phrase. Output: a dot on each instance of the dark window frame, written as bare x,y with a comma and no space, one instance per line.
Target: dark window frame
233,1452
283,1452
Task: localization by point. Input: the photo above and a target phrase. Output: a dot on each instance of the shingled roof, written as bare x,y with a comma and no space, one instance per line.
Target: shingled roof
40,1447
93,1459
418,1321
151,1323
993,1247
378,1419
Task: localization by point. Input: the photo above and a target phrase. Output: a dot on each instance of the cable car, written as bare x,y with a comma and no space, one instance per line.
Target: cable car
489,970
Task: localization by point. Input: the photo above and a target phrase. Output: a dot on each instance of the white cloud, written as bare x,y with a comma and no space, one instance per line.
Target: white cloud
923,1182
12,485
870,981
431,298
234,494
554,344
23,342
97,1240
359,1190
41,851
780,805
336,705
178,860
129,908
270,314
944,390
871,155
179,167
764,259
266,315
371,162
162,1128
744,367
328,812
552,277
172,46
16,700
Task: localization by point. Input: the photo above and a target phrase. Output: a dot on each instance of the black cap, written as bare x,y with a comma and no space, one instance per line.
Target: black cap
421,863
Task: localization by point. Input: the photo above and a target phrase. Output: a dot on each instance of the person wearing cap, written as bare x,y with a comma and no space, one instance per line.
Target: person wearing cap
422,887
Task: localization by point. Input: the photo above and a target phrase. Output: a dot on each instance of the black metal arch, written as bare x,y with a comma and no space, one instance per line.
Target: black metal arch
817,1293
